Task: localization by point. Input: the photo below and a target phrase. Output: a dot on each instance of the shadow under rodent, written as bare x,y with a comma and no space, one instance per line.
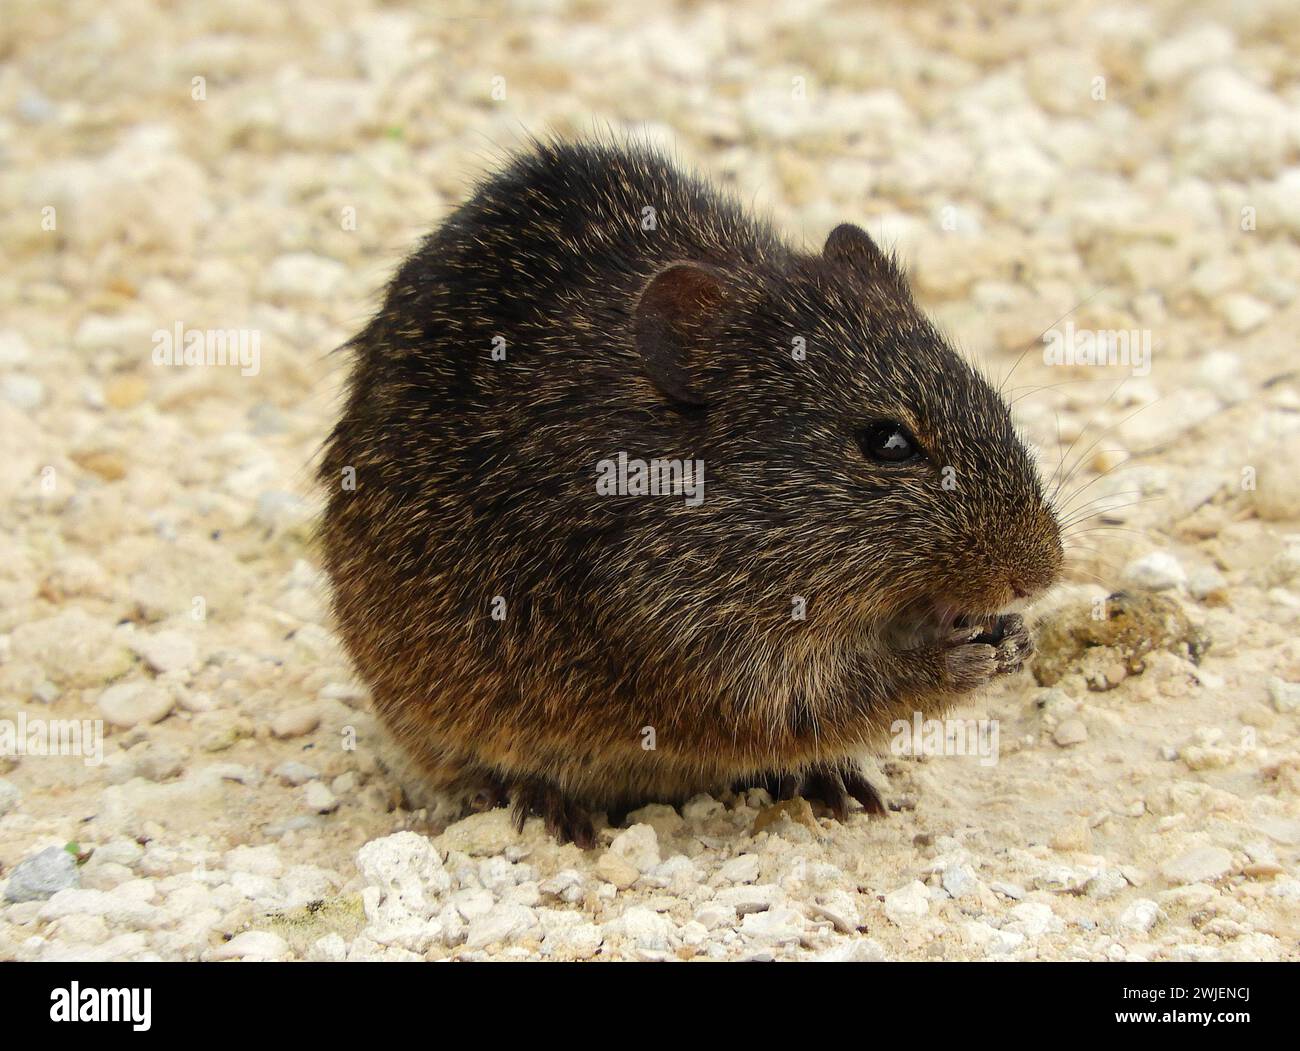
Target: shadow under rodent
867,510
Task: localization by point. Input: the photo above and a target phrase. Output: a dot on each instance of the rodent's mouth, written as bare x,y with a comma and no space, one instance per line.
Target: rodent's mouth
930,622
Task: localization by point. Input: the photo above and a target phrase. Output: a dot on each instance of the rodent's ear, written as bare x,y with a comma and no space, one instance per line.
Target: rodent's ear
672,318
851,246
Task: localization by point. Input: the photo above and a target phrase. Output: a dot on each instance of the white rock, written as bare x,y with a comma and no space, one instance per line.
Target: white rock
321,111
1284,695
1015,178
853,950
9,796
746,899
255,945
293,773
482,834
1188,52
1162,421
1282,200
42,875
1283,569
1201,864
1070,732
75,649
554,919
119,905
121,851
1204,581
1276,496
1224,373
303,275
579,941
453,924
958,881
473,902
160,197
261,861
1243,312
779,926
14,348
504,923
700,808
1032,918
908,904
716,915
295,722
1008,890
993,941
677,873
129,704
329,949
365,949
742,869
406,878
662,818
397,930
1214,277
1106,884
408,872
1140,915
645,928
319,798
22,392
617,870
639,846
1157,571
565,884
840,907
167,651
499,875
261,890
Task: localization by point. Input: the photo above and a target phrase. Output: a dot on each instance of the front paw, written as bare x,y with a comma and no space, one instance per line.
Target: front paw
1010,637
966,664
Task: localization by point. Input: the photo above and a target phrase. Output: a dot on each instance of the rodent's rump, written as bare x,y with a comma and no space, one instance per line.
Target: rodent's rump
845,506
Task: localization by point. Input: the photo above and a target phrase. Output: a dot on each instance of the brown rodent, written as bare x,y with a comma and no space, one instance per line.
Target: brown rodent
867,506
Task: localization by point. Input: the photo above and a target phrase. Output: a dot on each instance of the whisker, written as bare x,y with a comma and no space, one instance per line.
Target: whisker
1083,456
1083,431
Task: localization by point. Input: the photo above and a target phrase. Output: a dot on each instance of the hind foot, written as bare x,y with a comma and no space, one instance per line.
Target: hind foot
564,819
831,784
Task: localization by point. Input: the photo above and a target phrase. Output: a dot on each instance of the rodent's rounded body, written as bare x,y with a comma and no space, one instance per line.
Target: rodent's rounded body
521,623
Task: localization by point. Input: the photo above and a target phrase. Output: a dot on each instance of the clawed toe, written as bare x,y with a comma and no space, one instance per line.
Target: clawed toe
1015,647
831,785
865,793
564,819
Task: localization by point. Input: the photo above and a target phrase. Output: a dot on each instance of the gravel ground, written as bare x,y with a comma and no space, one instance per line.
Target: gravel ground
1133,166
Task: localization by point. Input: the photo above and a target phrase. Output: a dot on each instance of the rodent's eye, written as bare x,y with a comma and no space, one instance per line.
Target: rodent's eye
888,442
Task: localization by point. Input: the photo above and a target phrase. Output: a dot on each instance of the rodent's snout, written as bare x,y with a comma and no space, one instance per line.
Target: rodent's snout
1025,562
1038,561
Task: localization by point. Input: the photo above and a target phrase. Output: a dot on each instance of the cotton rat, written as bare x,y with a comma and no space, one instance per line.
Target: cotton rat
847,505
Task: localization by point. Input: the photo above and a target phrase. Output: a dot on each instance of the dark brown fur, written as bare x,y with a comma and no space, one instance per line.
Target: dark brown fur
475,480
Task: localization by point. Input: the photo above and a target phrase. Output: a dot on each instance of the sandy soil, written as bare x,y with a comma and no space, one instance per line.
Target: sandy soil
241,167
